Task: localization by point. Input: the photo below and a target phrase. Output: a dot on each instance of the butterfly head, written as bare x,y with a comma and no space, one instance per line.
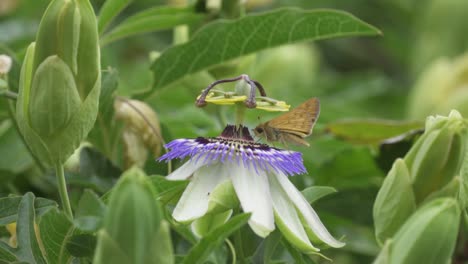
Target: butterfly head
259,130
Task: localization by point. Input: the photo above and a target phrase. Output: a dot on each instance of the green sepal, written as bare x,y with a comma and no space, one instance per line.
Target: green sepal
437,156
59,34
55,98
451,189
209,222
88,58
384,255
395,202
429,235
223,198
36,143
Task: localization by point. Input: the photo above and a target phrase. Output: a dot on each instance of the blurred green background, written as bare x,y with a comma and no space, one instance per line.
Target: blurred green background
416,68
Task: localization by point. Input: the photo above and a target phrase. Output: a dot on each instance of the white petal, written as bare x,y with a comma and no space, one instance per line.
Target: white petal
287,219
307,212
253,192
185,171
194,201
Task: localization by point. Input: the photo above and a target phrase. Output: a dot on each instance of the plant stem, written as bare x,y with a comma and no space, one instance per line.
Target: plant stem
62,186
240,111
9,94
238,245
233,251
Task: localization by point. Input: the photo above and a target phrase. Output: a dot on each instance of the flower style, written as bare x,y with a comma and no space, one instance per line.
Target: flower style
244,92
258,174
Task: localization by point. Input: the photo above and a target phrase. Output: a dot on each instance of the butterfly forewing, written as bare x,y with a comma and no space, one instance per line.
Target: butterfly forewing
300,120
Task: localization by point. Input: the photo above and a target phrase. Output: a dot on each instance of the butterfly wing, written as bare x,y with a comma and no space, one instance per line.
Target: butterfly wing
299,121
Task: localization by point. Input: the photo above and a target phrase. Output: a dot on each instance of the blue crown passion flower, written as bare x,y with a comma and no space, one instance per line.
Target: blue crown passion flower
258,174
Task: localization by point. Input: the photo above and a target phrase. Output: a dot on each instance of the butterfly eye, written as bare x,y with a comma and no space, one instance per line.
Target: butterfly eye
259,130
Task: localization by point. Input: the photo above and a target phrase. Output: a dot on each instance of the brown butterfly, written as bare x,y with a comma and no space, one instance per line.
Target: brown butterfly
293,126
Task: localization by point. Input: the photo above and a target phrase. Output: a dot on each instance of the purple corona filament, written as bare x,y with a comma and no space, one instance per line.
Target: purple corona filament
236,144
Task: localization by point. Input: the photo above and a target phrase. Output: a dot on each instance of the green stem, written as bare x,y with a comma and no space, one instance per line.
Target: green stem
9,94
240,111
62,186
233,251
238,245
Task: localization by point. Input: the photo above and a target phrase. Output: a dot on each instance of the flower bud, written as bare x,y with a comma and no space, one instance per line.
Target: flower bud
394,203
429,235
142,131
132,222
437,155
60,81
5,63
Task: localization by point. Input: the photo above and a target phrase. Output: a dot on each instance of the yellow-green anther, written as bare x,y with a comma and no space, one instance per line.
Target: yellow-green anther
437,156
429,235
60,81
394,203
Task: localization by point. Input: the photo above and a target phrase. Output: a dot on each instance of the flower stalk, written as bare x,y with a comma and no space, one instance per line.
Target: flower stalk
62,187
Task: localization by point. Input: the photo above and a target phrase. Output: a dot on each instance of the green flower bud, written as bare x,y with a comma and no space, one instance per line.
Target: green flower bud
60,81
452,189
429,235
437,155
132,222
395,202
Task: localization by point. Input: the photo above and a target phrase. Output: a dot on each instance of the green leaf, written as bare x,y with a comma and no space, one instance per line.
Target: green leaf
90,212
267,248
158,18
314,193
93,163
296,254
90,204
206,245
109,10
15,155
351,168
225,40
96,170
7,254
110,81
371,131
28,248
82,245
56,230
9,208
168,191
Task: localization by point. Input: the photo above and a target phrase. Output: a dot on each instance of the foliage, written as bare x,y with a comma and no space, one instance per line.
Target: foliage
95,88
